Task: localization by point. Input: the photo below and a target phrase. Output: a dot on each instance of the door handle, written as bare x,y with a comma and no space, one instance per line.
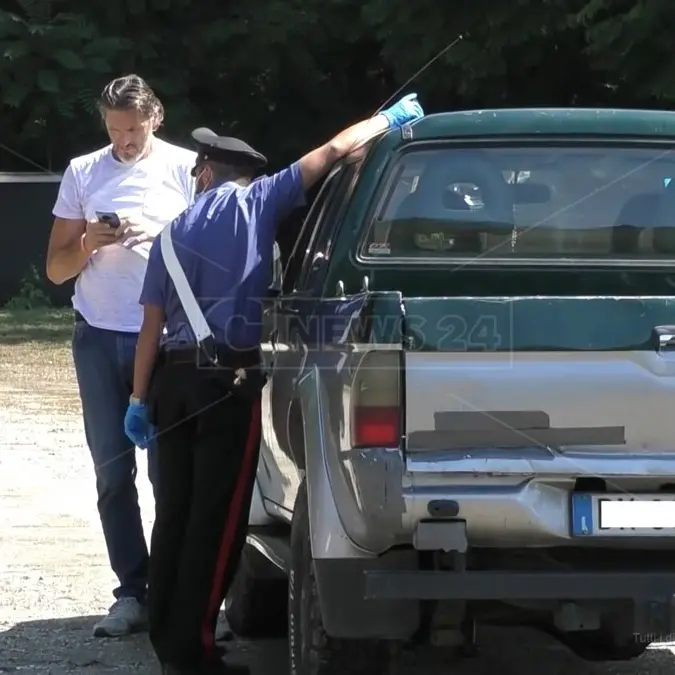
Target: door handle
663,339
286,310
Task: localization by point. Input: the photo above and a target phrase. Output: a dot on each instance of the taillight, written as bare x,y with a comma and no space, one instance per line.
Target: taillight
376,401
376,426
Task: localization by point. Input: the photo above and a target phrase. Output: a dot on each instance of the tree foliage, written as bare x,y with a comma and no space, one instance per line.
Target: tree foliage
285,74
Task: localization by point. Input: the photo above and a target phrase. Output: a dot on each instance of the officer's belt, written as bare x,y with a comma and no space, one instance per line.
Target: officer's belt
226,357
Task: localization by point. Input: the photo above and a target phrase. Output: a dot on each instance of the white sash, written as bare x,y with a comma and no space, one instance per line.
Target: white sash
194,314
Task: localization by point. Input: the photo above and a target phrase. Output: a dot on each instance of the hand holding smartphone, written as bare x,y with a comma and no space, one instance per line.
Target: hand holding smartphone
101,232
110,218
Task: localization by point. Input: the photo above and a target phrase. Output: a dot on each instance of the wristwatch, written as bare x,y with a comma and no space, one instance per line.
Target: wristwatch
134,400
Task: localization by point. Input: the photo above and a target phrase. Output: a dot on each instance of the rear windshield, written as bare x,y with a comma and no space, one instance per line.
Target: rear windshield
563,202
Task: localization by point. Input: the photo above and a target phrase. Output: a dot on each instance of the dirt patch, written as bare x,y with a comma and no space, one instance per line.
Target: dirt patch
54,574
55,581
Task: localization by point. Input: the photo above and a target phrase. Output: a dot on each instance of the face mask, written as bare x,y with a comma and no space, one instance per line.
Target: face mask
202,183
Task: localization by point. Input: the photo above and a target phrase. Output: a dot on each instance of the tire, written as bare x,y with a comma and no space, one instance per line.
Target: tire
311,650
256,603
601,646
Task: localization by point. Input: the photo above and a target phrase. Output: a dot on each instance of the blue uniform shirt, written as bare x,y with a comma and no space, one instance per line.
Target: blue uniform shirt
224,243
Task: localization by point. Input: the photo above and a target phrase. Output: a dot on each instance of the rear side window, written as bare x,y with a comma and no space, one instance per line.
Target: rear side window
565,202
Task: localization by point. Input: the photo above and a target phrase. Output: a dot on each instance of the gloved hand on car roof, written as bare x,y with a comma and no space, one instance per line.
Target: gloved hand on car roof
405,110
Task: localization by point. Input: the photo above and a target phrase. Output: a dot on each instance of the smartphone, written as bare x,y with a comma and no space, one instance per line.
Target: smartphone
112,219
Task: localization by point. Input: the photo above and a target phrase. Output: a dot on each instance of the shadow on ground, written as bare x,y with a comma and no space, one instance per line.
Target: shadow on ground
65,646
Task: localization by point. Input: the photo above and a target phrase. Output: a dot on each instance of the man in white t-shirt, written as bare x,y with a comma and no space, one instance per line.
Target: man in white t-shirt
147,182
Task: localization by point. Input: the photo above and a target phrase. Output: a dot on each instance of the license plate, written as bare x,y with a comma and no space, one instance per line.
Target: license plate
603,515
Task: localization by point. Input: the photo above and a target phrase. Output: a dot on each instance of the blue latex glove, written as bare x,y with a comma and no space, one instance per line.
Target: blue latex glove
136,425
405,110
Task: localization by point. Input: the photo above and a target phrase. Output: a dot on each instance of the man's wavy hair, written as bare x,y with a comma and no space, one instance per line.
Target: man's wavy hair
131,92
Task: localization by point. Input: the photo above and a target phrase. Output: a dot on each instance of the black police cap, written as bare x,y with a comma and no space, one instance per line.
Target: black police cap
225,150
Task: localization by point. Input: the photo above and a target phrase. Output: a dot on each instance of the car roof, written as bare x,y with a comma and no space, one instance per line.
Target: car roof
648,124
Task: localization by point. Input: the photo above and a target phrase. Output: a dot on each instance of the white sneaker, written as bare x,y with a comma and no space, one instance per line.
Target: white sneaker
126,616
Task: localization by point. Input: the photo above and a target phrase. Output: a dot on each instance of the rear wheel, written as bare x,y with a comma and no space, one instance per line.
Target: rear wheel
256,603
311,650
602,646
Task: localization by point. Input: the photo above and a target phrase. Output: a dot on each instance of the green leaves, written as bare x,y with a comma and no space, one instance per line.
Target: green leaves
15,50
68,59
14,94
98,65
48,81
284,74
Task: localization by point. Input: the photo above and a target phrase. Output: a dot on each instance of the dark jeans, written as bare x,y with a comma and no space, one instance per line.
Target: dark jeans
104,363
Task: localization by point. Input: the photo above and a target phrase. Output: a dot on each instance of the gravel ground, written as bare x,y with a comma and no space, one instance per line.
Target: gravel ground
55,581
54,577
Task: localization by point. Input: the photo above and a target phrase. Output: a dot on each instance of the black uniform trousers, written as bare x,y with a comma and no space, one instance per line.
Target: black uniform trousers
207,454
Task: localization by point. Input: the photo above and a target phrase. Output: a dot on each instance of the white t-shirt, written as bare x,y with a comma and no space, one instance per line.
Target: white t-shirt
152,192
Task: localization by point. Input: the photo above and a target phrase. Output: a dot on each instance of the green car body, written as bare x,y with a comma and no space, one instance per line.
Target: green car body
472,379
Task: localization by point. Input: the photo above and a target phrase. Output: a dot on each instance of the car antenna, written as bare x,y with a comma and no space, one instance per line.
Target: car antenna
432,60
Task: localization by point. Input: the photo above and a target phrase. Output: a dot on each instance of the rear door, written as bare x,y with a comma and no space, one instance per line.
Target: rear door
538,277
570,374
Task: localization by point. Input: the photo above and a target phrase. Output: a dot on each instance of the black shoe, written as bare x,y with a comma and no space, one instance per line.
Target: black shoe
223,668
225,636
236,669
172,669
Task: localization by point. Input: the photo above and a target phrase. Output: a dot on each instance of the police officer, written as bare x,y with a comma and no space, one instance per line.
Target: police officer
201,395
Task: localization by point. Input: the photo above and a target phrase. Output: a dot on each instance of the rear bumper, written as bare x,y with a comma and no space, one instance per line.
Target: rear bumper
382,598
507,499
433,585
524,498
